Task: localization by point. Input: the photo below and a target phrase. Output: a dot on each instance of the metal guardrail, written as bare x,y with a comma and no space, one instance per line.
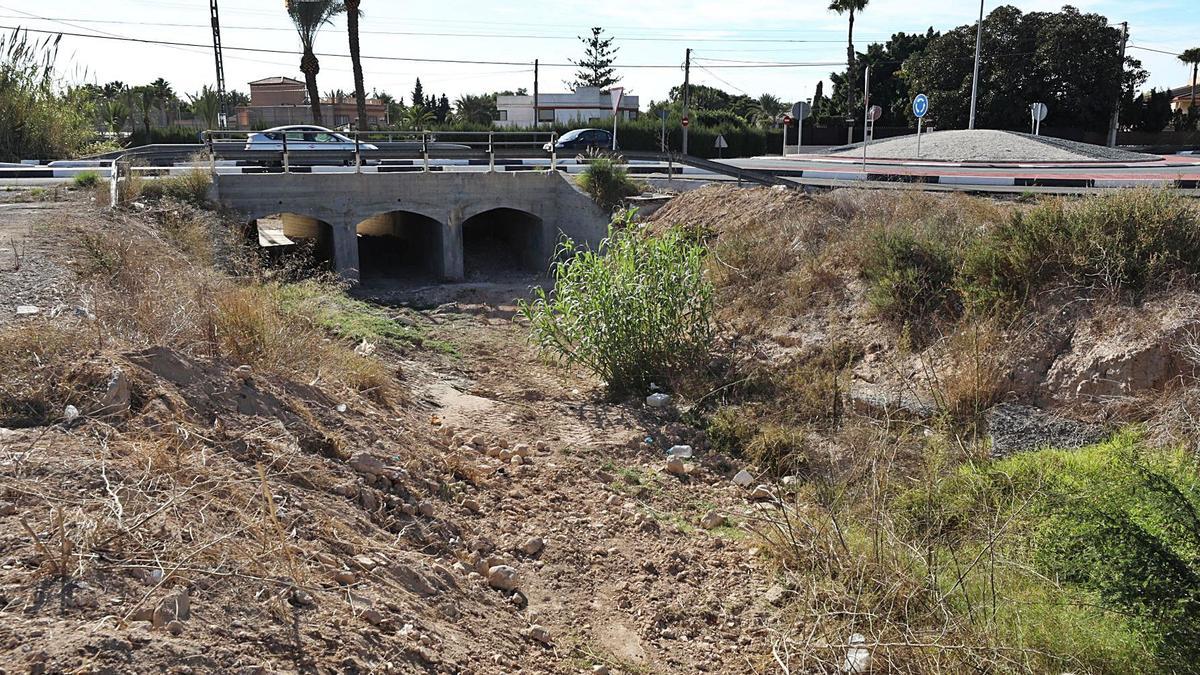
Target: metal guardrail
369,145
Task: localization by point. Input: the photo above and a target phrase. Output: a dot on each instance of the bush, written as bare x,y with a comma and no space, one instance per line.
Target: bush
1125,243
1117,525
86,179
637,310
191,187
911,277
607,183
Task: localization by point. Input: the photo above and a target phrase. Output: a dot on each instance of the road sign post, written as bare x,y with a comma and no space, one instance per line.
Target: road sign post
920,107
662,139
720,144
615,93
787,122
800,112
1037,113
866,112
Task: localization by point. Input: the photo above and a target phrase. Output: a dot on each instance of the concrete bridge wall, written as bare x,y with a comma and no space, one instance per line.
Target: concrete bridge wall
410,205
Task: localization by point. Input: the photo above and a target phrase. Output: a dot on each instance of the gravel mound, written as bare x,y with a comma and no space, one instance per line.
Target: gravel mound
984,145
1021,428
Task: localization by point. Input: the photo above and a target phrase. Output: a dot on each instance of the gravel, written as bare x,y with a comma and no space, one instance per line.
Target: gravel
989,145
1020,428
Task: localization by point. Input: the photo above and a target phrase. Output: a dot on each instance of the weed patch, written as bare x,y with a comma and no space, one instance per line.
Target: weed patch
637,310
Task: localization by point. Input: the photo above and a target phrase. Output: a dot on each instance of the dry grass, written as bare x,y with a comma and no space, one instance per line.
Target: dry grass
162,289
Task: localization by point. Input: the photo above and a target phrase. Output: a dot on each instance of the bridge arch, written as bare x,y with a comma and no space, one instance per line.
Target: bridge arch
300,236
400,244
503,239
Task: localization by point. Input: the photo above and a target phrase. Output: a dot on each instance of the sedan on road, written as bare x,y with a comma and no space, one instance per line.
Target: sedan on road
582,139
302,137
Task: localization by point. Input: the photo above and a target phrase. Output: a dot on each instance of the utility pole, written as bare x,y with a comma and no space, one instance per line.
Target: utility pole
536,120
975,77
223,115
1116,115
687,94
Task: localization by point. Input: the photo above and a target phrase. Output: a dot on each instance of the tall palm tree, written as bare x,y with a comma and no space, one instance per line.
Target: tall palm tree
1192,56
841,7
353,14
309,16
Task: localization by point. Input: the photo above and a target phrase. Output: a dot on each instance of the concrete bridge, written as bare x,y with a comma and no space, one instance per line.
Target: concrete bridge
387,224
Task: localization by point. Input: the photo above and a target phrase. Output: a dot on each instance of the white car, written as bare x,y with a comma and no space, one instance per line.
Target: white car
302,137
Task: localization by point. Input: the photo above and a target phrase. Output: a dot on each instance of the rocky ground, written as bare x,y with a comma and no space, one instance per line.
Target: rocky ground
506,518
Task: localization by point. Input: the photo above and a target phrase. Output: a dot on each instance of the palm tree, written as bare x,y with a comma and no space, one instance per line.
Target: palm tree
114,113
475,108
417,117
206,105
353,14
851,6
165,95
766,108
309,16
1192,56
146,100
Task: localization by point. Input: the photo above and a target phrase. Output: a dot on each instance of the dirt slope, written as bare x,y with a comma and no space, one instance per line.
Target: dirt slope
200,516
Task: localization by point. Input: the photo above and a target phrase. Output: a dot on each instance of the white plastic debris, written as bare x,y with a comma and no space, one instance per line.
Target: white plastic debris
743,478
27,310
858,657
70,413
681,451
658,400
341,407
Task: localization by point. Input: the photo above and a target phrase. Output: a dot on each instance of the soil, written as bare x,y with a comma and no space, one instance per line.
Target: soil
364,557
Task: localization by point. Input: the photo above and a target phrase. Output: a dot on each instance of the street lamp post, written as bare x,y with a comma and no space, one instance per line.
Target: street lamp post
975,77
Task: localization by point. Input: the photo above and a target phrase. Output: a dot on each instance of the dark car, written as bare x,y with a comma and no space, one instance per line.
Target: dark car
582,139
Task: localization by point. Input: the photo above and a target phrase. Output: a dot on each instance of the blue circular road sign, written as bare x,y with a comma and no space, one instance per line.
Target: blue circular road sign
920,105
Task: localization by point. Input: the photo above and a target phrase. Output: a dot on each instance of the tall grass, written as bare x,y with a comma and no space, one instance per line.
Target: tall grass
637,310
36,120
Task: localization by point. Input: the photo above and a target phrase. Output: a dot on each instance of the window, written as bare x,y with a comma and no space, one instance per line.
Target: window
326,138
631,114
593,120
341,120
545,115
502,115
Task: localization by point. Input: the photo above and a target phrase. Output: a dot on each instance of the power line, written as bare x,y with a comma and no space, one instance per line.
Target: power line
413,59
1157,51
502,36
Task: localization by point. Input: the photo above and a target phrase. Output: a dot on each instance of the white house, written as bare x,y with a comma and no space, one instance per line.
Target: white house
585,105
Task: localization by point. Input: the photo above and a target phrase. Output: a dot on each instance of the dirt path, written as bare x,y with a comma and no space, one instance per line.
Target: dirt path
627,578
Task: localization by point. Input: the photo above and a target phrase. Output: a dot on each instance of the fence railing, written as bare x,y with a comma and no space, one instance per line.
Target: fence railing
293,147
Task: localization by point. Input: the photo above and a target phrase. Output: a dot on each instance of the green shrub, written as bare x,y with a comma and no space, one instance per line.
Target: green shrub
607,183
637,310
1117,524
1126,243
191,187
86,179
910,276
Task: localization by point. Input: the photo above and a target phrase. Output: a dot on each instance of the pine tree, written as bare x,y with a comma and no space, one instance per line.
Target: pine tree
443,108
596,66
418,93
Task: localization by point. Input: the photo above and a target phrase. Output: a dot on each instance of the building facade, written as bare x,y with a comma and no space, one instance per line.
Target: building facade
584,106
278,101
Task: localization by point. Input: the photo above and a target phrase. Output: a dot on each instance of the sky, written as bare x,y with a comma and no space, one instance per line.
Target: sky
731,40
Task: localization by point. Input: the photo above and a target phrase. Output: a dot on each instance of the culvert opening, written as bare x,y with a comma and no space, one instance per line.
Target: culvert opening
294,241
399,244
502,240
